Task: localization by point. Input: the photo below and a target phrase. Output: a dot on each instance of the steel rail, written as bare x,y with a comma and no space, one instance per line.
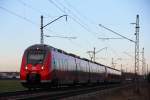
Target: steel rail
58,93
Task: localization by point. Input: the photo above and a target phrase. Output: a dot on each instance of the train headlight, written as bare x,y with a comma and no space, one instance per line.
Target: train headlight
26,67
42,67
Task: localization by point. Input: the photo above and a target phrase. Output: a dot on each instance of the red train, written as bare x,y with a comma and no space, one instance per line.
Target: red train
43,65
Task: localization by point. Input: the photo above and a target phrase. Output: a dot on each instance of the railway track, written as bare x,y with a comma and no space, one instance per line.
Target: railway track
57,93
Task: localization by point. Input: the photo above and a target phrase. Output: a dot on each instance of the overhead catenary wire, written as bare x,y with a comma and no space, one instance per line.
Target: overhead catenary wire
66,2
19,16
23,18
82,15
74,19
83,25
77,16
131,56
108,38
61,36
33,8
38,11
116,33
57,6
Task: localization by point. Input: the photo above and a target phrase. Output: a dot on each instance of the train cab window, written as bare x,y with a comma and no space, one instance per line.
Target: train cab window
35,56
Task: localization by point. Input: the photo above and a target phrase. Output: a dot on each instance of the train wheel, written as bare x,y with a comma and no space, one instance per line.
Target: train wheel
30,89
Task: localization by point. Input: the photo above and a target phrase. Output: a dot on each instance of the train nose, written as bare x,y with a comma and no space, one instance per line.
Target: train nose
33,78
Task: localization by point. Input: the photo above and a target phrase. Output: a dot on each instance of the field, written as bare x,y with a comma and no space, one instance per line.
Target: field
10,86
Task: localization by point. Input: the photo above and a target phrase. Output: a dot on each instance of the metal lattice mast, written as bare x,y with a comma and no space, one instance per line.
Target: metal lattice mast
147,69
143,63
113,65
137,45
42,35
94,54
137,54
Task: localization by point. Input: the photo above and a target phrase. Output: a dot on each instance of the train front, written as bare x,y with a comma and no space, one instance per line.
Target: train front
36,66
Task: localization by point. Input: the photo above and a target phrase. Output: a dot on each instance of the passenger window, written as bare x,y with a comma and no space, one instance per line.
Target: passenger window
67,64
60,67
54,63
62,64
57,64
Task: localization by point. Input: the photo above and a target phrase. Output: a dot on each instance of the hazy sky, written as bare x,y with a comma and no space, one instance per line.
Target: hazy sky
20,28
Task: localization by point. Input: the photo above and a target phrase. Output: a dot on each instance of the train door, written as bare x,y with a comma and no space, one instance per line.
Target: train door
76,72
54,68
89,73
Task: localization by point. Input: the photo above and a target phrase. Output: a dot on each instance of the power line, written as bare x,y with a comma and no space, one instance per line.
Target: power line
22,17
107,38
84,26
61,36
56,6
33,8
74,19
37,10
81,15
132,56
19,16
79,20
116,33
73,8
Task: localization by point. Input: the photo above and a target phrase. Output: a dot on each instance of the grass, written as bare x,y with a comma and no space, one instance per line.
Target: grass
10,86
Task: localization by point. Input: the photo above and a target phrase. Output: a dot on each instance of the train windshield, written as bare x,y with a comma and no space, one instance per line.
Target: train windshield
35,57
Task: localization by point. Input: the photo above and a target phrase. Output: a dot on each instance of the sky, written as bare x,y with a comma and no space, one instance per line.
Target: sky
20,28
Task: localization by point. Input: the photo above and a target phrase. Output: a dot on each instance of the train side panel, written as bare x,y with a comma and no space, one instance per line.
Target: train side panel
64,67
113,75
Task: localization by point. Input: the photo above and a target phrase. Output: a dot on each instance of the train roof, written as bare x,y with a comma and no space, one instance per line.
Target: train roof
113,68
39,46
62,51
